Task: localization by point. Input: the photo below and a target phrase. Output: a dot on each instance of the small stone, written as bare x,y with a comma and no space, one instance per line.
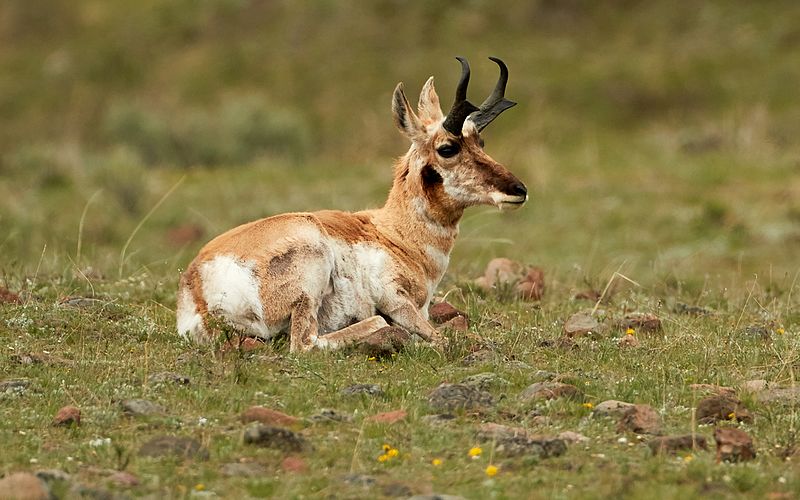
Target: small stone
628,341
444,311
15,385
330,415
550,390
541,375
672,444
489,430
641,419
682,308
275,437
481,357
485,380
573,437
451,397
50,476
499,271
457,324
81,302
362,480
395,490
124,479
531,286
365,389
8,297
141,408
581,324
68,416
755,385
23,486
385,342
246,469
733,445
438,419
757,332
641,322
268,416
168,378
389,417
182,447
713,389
780,395
294,464
538,446
714,409
611,408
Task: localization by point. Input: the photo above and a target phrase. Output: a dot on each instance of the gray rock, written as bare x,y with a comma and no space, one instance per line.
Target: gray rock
550,390
438,419
182,447
485,380
781,395
363,480
396,490
366,389
168,378
330,415
481,357
52,475
641,419
524,445
581,324
141,408
611,408
15,385
275,437
672,444
450,397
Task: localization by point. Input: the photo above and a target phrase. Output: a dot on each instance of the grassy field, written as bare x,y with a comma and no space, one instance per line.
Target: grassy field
658,141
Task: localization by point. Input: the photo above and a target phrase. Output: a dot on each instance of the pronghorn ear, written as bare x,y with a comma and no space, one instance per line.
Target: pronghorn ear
429,109
404,117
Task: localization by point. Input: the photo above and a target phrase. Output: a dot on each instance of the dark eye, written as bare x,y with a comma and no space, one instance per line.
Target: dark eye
481,143
448,150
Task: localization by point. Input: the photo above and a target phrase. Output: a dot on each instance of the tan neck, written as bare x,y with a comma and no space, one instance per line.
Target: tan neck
413,218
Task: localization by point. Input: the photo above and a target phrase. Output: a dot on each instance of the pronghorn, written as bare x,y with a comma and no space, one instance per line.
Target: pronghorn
333,278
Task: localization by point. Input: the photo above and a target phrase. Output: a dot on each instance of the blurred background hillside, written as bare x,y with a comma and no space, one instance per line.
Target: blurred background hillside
657,137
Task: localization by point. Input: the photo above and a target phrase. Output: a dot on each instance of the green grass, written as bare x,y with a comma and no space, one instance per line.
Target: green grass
658,141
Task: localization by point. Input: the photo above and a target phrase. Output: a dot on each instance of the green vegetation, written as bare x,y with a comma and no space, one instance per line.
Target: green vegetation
658,140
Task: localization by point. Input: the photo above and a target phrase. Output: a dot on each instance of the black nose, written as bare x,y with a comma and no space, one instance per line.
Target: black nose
519,189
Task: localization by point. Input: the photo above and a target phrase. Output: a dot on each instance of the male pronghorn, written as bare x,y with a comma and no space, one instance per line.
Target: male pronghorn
332,278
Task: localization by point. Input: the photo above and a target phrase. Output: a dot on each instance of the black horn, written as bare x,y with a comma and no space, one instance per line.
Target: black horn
496,103
462,108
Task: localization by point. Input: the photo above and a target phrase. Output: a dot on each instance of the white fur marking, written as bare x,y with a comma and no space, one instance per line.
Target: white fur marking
230,288
190,324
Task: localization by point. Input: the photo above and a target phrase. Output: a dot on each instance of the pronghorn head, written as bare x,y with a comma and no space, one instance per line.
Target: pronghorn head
446,161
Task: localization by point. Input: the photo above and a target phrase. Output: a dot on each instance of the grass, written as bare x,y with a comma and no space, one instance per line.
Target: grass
660,144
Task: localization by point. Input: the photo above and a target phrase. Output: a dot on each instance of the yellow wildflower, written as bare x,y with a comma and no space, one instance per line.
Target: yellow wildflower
372,358
386,448
688,458
588,406
436,462
492,470
475,452
199,487
392,453
731,416
630,331
383,458
780,331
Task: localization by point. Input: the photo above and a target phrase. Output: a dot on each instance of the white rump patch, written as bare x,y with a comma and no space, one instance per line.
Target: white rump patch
231,290
190,324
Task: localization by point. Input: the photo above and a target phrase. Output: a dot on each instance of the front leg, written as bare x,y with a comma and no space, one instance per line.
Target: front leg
405,314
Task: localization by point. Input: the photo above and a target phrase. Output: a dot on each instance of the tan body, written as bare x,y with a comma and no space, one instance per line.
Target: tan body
332,278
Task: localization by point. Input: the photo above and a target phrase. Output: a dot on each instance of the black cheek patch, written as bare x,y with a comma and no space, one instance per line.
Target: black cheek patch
430,177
